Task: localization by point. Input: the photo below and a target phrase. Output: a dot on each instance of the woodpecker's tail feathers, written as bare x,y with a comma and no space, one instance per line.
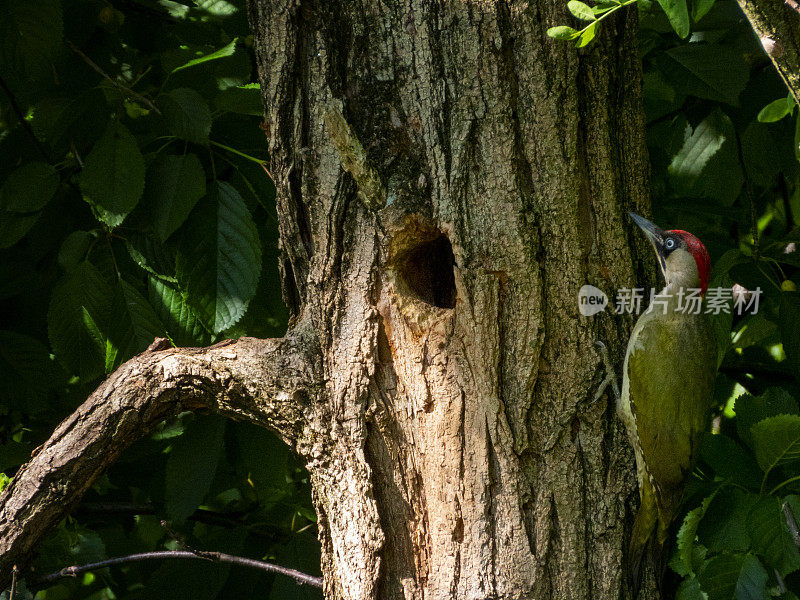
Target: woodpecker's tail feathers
643,532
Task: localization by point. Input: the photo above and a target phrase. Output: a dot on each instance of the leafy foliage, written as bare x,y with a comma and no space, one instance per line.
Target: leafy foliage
723,141
724,168
134,204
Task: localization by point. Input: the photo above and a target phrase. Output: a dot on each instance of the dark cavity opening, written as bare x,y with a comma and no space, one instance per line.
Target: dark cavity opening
427,270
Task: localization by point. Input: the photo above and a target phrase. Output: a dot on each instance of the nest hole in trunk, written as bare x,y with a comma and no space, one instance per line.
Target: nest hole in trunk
426,269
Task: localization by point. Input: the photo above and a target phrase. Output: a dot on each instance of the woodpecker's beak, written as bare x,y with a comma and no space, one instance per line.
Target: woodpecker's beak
656,236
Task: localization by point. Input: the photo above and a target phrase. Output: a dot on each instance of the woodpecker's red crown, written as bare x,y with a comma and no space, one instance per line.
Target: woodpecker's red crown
696,248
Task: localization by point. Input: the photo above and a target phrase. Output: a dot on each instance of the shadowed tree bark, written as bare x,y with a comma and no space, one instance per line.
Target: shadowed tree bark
448,178
777,25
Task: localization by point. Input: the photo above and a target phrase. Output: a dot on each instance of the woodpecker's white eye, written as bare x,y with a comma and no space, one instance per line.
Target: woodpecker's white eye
669,244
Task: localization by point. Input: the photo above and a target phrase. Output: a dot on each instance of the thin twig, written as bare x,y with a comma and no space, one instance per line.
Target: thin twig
217,557
790,521
113,82
14,573
781,583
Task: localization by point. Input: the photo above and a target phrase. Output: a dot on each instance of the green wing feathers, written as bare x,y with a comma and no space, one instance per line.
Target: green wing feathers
671,367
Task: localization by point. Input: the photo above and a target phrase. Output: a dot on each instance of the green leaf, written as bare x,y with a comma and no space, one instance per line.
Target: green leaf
191,466
761,154
776,110
301,553
587,35
226,50
797,136
730,461
678,15
30,36
265,459
562,32
74,249
776,441
708,163
789,317
219,258
689,589
752,582
80,308
200,579
74,119
13,226
580,10
134,328
29,188
243,99
770,536
687,534
151,255
707,71
70,544
183,328
660,98
186,114
720,575
724,529
700,8
27,373
174,185
113,175
750,410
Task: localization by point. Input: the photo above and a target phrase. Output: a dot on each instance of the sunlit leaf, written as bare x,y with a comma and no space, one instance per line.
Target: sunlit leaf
777,110
226,50
580,10
135,325
562,32
219,259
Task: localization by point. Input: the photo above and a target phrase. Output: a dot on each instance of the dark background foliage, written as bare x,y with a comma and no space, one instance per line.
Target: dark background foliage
119,224
134,204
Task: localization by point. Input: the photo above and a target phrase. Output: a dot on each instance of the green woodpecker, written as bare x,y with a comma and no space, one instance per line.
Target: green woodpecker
667,385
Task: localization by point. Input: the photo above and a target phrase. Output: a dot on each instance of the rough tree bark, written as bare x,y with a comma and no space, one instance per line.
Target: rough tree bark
455,451
448,177
777,25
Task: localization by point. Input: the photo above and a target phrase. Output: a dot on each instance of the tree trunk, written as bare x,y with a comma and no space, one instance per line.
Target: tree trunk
448,178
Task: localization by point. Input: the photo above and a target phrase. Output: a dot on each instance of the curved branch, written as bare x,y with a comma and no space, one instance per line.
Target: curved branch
777,24
220,557
267,382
